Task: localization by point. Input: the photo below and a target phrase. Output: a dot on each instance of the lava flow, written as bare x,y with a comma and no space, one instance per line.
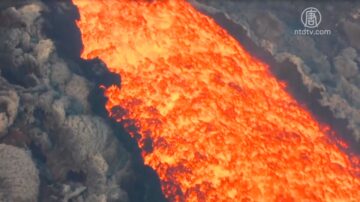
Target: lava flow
210,118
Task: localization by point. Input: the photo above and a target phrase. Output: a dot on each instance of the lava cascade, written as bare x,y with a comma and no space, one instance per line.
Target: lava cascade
209,117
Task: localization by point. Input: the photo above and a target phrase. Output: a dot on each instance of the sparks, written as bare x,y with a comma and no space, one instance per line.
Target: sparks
219,125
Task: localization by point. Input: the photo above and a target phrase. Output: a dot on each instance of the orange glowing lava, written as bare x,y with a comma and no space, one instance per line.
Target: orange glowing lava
222,127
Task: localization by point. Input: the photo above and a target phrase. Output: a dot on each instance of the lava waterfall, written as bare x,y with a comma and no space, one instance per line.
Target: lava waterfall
210,118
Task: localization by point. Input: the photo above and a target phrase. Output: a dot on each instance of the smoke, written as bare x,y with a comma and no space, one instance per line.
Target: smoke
322,72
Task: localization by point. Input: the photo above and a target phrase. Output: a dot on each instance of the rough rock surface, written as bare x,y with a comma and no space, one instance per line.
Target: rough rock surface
55,143
19,180
53,146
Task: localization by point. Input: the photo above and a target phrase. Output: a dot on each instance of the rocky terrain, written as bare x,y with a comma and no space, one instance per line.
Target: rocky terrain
56,141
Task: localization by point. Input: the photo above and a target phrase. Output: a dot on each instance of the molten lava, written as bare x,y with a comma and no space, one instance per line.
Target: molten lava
210,118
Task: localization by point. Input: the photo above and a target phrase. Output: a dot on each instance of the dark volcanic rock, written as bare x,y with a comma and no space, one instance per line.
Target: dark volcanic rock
19,180
62,144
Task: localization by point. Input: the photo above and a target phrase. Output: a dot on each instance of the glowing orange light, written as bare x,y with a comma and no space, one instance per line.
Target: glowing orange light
222,127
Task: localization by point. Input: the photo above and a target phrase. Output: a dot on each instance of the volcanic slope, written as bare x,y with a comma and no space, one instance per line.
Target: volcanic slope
210,118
